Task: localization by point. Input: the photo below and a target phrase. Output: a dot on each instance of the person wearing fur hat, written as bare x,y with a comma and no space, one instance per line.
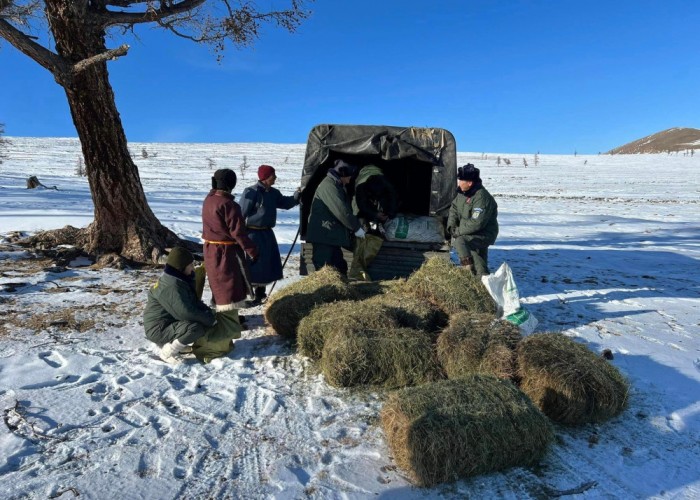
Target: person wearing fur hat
259,204
226,244
473,220
331,221
174,317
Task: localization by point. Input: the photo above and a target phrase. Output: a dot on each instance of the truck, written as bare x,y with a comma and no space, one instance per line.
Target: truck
420,162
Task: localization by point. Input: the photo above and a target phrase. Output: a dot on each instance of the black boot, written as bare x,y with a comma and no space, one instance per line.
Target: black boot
260,294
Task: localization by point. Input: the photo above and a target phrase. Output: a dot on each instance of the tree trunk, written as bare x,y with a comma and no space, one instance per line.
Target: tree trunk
124,223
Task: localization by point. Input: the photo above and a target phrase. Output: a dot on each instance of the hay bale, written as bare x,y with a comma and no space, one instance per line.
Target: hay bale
410,311
569,382
345,317
452,429
362,290
286,308
449,287
478,343
391,357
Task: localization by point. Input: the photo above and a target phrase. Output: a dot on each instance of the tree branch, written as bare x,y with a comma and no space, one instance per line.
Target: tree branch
22,42
105,56
151,14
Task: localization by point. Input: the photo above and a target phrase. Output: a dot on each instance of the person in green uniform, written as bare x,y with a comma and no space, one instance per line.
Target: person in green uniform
175,317
331,221
473,220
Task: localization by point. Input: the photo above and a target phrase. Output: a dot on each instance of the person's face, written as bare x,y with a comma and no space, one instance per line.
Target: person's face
189,269
464,185
270,180
345,180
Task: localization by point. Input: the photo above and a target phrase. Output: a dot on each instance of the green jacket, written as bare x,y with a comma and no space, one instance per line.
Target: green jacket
173,299
477,214
331,219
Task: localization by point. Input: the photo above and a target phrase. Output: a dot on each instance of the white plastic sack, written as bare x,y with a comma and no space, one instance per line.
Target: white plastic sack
501,286
414,228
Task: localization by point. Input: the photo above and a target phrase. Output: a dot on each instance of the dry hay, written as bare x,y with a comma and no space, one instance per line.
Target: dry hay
391,357
451,429
569,382
347,317
451,288
362,290
287,307
409,311
478,343
74,318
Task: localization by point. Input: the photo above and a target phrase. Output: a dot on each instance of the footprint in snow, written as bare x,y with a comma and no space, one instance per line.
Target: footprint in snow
54,360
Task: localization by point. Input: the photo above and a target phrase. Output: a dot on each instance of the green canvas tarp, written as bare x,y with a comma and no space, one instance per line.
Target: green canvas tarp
421,162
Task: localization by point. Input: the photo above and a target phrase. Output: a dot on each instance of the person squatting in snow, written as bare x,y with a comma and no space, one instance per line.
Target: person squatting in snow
226,244
259,204
175,317
473,220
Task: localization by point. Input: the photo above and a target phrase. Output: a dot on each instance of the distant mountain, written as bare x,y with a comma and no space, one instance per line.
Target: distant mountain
673,139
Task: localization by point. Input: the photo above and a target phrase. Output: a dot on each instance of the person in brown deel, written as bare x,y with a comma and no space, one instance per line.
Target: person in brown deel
226,243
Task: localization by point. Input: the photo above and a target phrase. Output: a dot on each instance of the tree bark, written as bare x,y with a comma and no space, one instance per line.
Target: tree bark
124,223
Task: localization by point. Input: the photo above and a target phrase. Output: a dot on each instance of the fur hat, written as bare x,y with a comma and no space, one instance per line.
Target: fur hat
179,258
224,179
468,173
344,169
265,171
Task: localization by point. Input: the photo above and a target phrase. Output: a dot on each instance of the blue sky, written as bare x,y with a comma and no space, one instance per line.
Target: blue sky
517,76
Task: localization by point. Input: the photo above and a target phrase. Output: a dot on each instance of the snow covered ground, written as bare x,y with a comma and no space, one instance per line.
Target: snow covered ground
605,249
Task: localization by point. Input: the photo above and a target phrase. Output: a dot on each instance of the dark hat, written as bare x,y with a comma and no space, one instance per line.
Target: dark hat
265,171
468,173
224,179
344,169
179,258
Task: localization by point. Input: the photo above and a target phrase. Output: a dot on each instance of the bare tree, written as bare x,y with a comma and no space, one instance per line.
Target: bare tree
124,223
80,167
3,143
244,167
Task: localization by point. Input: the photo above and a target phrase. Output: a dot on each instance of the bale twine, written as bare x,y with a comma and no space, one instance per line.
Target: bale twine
569,382
288,306
391,357
410,311
451,288
346,317
478,343
451,429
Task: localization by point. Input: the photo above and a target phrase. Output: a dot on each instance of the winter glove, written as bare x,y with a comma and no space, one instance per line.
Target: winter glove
360,233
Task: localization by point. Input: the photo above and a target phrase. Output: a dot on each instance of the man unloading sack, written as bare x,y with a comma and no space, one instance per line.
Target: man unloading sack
331,220
472,222
374,203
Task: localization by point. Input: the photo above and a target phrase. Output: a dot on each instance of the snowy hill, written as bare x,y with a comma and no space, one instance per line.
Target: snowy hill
598,253
666,141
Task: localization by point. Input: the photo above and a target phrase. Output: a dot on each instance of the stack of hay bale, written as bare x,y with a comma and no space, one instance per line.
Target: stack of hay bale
440,323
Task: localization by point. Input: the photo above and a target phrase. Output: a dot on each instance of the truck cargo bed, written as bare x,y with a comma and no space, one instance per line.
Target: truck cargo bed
396,259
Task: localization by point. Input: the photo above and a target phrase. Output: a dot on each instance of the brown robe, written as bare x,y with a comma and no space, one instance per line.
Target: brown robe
225,245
